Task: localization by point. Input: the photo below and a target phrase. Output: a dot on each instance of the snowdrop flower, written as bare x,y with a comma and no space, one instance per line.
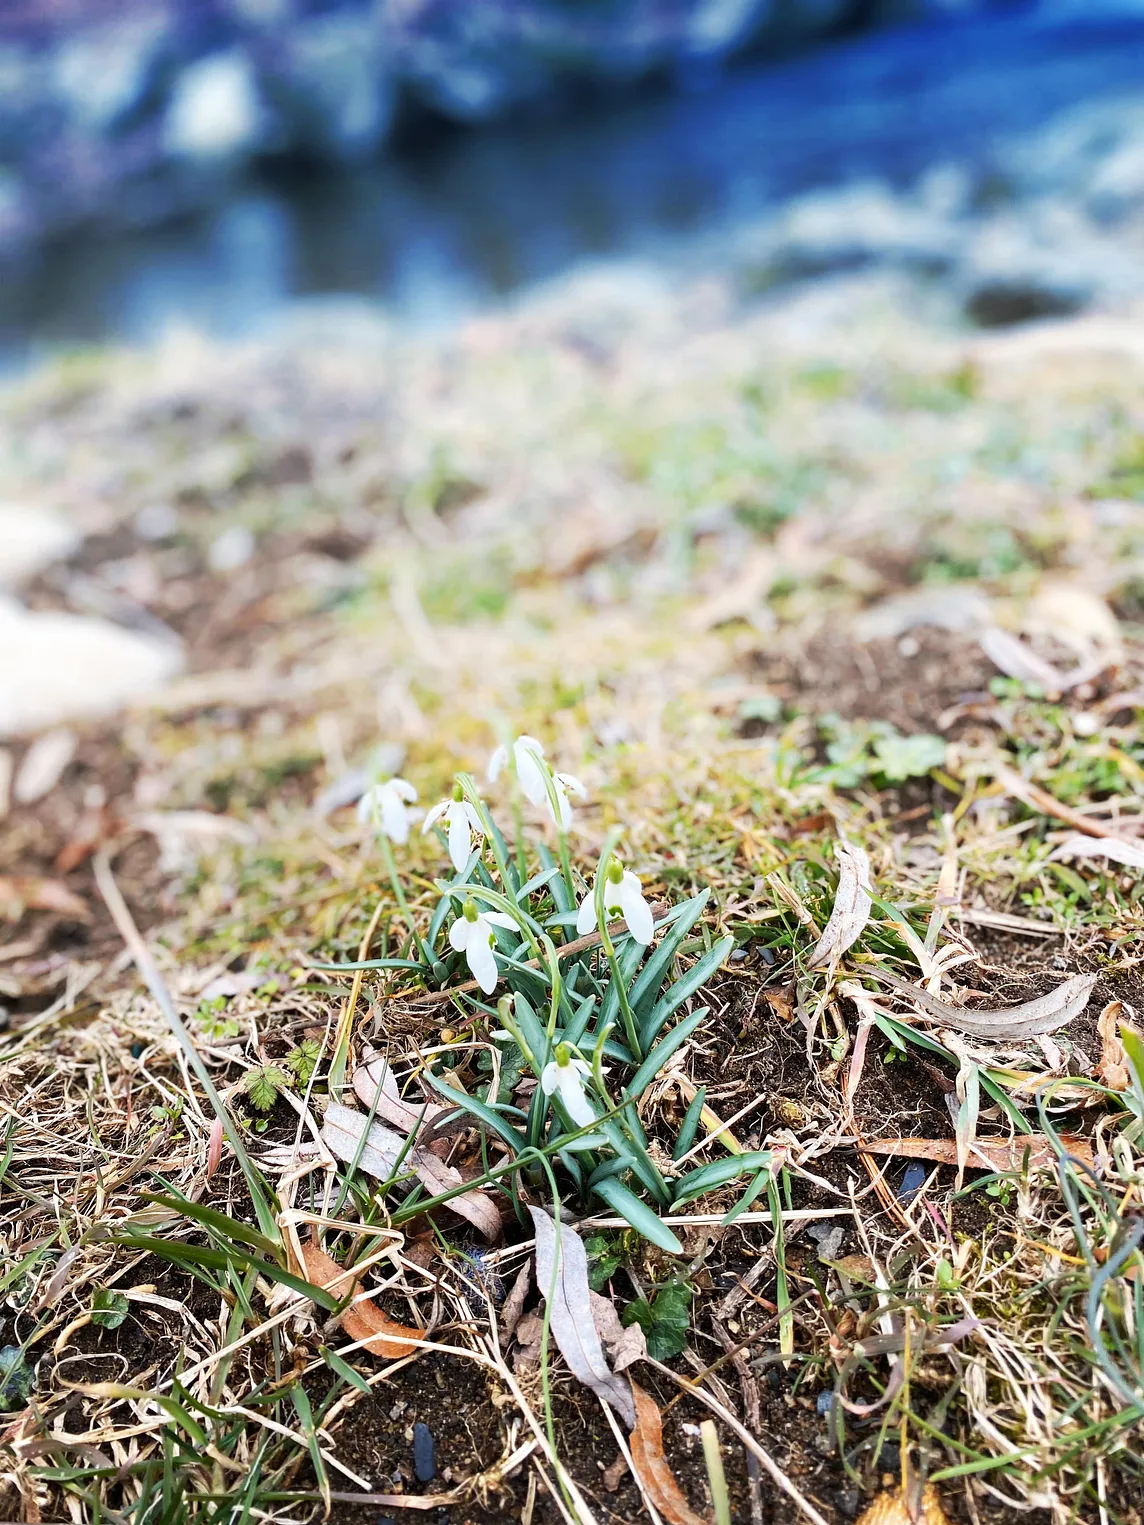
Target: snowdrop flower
528,764
533,772
463,823
564,1076
472,934
623,896
565,784
385,806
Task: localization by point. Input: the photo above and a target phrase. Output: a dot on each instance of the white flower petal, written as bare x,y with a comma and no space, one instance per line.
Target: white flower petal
550,1077
586,916
460,838
394,817
576,1104
497,763
637,912
564,819
434,815
403,788
481,961
500,919
573,785
459,934
366,804
474,818
613,899
531,773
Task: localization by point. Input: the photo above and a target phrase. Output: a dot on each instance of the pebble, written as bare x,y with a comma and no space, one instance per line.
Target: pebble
913,1180
61,667
424,1462
44,765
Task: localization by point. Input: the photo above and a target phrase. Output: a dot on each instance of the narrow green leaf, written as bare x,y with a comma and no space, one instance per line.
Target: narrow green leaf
628,956
681,919
749,1196
219,1223
675,995
690,1125
344,1370
370,963
629,1207
531,1031
709,1177
662,1052
478,1109
223,1260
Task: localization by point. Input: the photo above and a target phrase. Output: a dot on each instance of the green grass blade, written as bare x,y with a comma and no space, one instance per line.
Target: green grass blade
680,919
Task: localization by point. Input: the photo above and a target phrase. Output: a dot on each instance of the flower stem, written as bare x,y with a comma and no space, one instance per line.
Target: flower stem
399,896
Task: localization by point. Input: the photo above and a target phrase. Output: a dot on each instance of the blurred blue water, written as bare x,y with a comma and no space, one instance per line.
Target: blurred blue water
480,213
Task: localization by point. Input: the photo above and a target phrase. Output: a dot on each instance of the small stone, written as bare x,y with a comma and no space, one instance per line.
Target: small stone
214,112
913,1179
31,537
60,667
43,766
424,1461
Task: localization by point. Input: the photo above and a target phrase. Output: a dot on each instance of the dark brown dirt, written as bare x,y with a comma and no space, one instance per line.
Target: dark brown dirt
911,682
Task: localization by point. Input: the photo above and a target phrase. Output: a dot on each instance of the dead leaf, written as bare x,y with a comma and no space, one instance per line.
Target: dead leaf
214,1147
854,1267
655,1476
375,1079
562,1277
20,892
1043,1015
514,1303
343,1131
851,906
474,1206
529,1332
996,1154
363,1320
891,1508
624,1346
1118,849
1016,660
1111,1068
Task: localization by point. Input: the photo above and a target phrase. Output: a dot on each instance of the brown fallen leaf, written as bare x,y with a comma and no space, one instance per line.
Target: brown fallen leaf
655,1476
364,1320
891,1508
1111,1068
851,906
28,891
376,1086
999,1154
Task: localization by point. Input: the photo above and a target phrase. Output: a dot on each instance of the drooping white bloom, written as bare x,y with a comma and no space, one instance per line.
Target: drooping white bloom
472,934
385,805
565,784
623,896
463,822
533,772
564,1076
528,764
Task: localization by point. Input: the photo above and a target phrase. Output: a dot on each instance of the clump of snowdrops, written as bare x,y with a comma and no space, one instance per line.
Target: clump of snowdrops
588,998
